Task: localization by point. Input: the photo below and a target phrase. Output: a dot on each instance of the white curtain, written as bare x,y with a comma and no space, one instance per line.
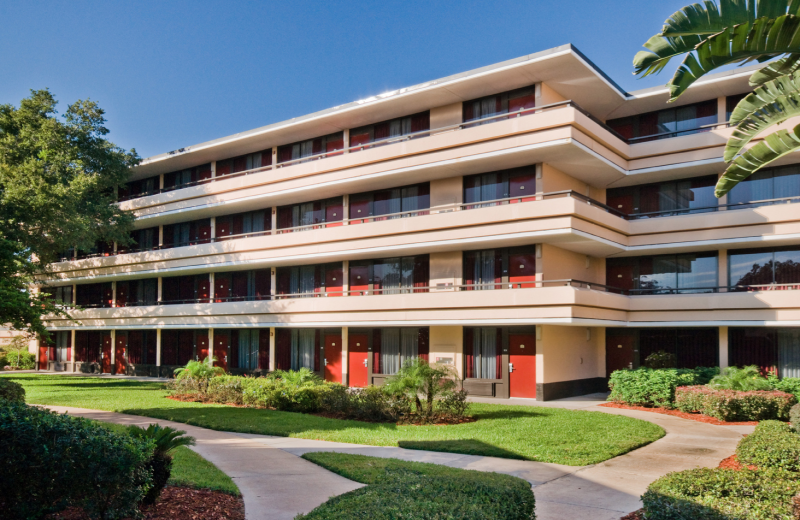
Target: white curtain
395,202
484,352
302,349
391,277
489,188
301,280
248,349
789,352
483,270
62,340
390,351
254,161
410,201
409,345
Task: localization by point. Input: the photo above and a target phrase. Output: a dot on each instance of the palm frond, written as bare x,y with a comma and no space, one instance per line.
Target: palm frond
764,38
711,17
776,69
660,50
772,148
768,105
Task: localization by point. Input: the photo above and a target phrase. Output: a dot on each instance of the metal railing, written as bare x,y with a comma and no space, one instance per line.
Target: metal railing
677,133
710,209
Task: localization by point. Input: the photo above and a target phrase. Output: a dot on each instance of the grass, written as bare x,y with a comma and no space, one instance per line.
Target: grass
191,470
416,491
554,435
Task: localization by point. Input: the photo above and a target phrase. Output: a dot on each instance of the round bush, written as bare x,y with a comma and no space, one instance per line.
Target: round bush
11,391
27,361
773,444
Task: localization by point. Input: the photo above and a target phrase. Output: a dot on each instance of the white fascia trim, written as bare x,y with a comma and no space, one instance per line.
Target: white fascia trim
398,171
574,322
701,82
276,261
717,242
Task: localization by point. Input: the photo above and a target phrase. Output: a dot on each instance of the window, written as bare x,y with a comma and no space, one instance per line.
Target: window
137,292
486,187
248,162
504,103
672,122
94,295
385,131
664,274
311,214
513,267
772,183
141,347
303,348
187,233
185,289
393,201
143,240
692,347
63,347
101,248
483,352
392,347
61,295
178,347
397,275
329,145
243,223
88,344
187,177
731,102
306,281
763,267
248,349
665,199
140,188
759,346
242,285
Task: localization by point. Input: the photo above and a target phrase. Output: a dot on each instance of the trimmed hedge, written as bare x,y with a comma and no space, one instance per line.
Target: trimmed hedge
49,462
27,361
654,387
794,417
773,444
733,405
722,494
11,391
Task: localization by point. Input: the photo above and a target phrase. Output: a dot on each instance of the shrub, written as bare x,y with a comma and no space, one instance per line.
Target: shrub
731,405
226,389
455,404
164,440
297,377
23,360
52,461
11,391
742,379
721,494
794,417
773,444
661,359
422,383
790,385
649,387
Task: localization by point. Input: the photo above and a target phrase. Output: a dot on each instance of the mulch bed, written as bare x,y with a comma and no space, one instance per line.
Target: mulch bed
733,463
636,515
683,415
179,503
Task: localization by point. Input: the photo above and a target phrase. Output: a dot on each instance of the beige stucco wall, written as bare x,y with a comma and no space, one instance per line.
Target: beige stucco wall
447,115
554,180
447,342
446,268
565,353
560,264
547,95
447,192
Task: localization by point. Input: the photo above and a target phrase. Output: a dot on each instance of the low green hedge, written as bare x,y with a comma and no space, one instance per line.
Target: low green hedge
733,405
420,491
11,391
654,387
773,444
27,361
722,494
49,462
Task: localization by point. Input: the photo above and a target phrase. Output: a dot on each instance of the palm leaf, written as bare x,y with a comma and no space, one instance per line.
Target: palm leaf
660,50
772,148
774,70
770,104
710,17
764,38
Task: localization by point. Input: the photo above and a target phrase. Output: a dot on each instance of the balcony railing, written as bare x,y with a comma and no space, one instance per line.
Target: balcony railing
709,209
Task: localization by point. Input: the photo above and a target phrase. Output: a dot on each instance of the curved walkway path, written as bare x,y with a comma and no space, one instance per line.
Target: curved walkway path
277,484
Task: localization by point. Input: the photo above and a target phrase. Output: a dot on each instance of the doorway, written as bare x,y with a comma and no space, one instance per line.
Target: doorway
357,366
522,365
333,358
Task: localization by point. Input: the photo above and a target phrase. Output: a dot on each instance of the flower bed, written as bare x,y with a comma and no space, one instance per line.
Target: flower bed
733,405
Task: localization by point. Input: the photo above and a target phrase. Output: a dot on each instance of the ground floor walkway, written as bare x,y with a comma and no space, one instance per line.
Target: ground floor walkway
277,484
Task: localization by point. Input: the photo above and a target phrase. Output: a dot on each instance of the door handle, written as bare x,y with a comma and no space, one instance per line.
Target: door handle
325,360
510,367
365,362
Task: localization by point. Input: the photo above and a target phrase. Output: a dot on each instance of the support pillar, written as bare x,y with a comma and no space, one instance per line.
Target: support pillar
273,288
346,279
213,174
113,350
73,333
345,357
158,347
113,294
160,284
345,209
724,359
272,349
210,343
274,220
722,269
213,228
346,133
211,281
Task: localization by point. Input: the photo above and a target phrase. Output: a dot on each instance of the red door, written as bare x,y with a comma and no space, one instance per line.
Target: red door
202,345
203,284
221,350
122,293
522,368
333,358
359,279
359,210
357,360
119,354
523,186
620,276
44,353
333,215
222,288
522,269
619,353
333,281
106,353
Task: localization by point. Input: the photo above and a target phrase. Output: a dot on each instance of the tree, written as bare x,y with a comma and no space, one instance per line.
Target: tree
722,32
58,184
17,345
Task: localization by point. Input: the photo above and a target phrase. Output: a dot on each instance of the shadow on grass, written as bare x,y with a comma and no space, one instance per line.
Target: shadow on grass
463,446
509,414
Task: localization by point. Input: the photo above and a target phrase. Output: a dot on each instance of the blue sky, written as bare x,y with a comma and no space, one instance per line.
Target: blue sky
175,73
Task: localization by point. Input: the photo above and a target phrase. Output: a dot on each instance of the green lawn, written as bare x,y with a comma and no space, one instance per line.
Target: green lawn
520,432
191,470
419,491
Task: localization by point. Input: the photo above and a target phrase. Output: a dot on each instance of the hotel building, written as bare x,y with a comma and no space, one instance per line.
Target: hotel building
529,223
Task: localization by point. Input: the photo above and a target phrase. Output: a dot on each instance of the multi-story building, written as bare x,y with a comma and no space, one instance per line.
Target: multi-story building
529,223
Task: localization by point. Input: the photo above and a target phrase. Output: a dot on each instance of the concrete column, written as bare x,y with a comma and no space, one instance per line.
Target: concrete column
213,228
345,357
722,109
345,209
346,140
161,182
210,343
113,294
213,174
74,295
158,347
275,220
272,349
346,277
211,281
113,349
722,269
273,287
274,157
115,247
724,199
539,270
160,285
160,235
724,358
72,348
539,183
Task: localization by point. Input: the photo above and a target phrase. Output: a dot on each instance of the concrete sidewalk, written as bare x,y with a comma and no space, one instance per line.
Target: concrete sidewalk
277,484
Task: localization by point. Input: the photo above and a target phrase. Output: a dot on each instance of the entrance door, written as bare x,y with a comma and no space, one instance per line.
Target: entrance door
221,349
522,270
106,353
119,354
619,353
620,276
333,281
522,365
357,360
201,339
44,355
333,358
